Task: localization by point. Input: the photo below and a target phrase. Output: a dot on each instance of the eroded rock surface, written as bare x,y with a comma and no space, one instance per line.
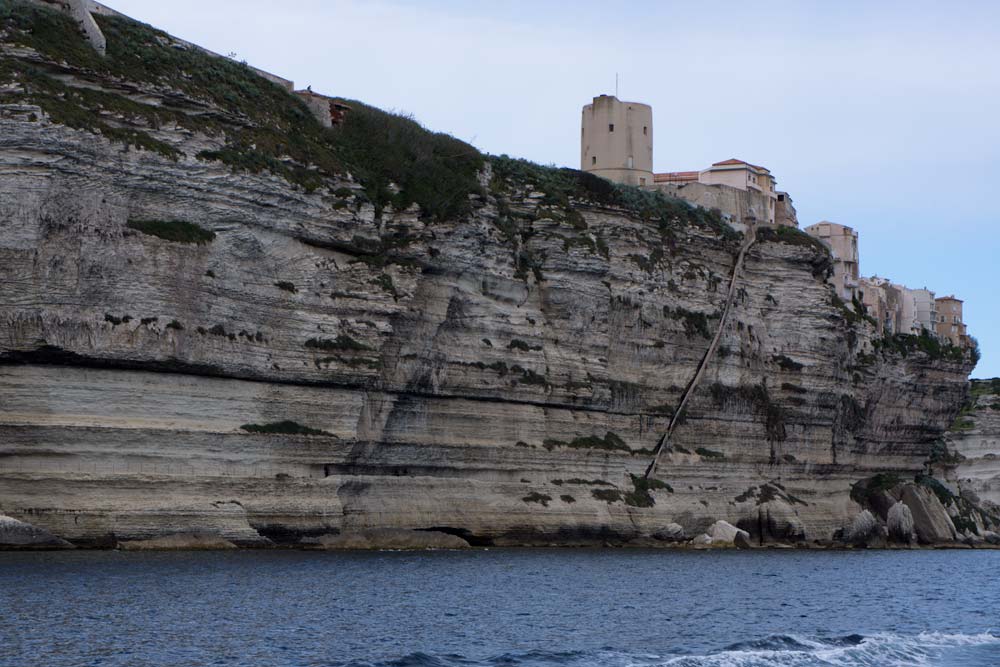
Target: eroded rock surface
16,534
389,538
973,446
179,542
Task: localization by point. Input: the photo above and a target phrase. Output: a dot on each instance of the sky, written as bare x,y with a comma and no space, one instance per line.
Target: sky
881,116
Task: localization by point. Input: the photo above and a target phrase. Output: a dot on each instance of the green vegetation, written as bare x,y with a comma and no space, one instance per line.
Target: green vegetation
176,231
694,322
385,282
940,490
342,343
174,324
353,362
940,454
821,261
962,424
967,513
862,491
927,343
989,387
529,376
285,427
848,313
787,363
566,498
435,171
607,495
518,344
498,366
542,499
115,321
709,453
791,236
563,186
286,286
610,441
640,495
582,482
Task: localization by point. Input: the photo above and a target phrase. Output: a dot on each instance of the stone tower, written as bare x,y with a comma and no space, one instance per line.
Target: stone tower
616,140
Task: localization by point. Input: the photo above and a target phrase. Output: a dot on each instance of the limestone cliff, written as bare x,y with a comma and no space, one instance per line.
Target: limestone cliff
971,457
218,317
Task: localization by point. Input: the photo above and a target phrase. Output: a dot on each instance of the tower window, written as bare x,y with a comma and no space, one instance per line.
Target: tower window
593,160
611,127
644,130
631,162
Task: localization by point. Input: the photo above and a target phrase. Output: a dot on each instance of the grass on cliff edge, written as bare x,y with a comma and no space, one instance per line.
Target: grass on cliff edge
985,387
562,186
267,129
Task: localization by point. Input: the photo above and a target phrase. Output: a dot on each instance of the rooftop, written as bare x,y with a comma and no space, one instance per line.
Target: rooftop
733,162
675,177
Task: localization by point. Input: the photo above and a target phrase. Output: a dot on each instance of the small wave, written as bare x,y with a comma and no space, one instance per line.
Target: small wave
879,650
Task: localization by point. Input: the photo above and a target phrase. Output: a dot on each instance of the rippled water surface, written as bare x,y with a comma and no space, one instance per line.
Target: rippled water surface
501,608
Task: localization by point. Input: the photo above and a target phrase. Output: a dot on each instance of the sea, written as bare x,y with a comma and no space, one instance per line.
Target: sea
501,608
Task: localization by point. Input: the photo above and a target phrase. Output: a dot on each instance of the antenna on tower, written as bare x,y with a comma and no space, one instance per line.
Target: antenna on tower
616,84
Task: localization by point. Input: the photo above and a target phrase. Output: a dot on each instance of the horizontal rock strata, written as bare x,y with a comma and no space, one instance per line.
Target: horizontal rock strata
311,364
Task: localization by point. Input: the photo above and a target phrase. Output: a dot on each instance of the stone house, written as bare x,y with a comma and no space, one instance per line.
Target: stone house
949,323
843,244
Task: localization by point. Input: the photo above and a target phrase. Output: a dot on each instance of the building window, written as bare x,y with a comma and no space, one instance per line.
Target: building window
593,160
631,162
644,130
611,127
642,181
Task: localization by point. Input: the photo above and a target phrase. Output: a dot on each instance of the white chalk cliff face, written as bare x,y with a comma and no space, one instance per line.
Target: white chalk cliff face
499,376
974,443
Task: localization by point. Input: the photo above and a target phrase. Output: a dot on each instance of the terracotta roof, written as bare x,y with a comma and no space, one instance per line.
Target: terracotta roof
734,162
675,176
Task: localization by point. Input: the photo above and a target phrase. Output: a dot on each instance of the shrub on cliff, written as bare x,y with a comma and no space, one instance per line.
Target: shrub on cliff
610,441
286,427
927,343
563,186
986,387
177,231
265,127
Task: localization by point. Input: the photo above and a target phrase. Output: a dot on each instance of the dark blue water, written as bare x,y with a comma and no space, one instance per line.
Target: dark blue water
501,608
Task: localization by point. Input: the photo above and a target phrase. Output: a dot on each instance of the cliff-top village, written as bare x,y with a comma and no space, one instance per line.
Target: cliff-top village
616,142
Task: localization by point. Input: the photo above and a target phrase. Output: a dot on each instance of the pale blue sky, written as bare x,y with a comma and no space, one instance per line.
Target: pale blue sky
882,116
